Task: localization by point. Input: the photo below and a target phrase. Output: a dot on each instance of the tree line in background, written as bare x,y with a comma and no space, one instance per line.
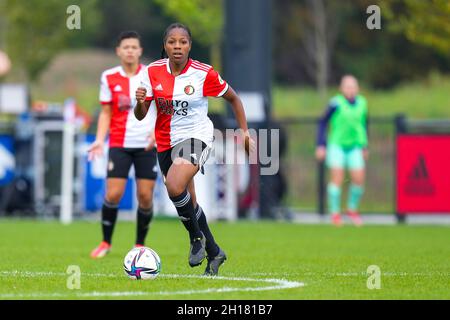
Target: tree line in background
314,41
319,40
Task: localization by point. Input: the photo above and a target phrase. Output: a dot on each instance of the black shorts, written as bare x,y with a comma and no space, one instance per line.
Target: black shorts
193,150
121,159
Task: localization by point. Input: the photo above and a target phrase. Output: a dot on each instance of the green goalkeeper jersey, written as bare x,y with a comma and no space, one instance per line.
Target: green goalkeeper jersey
348,123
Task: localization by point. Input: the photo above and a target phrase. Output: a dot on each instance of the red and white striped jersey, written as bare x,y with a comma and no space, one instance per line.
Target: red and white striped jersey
181,101
119,91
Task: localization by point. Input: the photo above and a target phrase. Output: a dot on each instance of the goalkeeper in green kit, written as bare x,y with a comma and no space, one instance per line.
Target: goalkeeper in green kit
344,146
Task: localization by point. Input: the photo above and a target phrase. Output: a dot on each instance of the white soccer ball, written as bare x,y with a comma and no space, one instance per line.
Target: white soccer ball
142,264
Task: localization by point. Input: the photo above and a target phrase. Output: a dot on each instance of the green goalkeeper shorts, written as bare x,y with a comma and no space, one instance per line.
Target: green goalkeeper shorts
340,158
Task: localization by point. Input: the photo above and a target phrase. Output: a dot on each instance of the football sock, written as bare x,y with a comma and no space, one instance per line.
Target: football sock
355,193
211,246
185,208
144,217
109,217
334,198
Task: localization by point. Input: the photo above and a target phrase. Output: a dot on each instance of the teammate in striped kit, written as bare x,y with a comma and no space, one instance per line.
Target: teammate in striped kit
131,142
178,87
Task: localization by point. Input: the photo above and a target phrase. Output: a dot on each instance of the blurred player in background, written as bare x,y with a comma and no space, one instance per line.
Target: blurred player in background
131,142
179,86
346,148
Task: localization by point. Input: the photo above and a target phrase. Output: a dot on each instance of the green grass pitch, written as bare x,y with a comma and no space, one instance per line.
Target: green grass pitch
266,260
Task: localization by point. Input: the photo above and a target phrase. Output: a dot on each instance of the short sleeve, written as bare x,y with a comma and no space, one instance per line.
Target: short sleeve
145,82
105,96
214,85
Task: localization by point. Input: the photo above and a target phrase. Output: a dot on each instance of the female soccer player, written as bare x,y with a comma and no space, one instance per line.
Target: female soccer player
347,147
179,87
130,141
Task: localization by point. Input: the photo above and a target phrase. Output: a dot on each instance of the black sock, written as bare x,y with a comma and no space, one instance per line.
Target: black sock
211,246
185,208
109,217
144,217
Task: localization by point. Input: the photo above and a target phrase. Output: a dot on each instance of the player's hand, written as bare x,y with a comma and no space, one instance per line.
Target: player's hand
321,153
141,94
249,143
95,150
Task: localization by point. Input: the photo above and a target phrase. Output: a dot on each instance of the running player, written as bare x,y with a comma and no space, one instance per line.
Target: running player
131,142
347,147
179,86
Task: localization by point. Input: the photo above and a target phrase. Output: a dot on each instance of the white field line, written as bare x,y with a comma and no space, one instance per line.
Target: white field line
277,284
32,274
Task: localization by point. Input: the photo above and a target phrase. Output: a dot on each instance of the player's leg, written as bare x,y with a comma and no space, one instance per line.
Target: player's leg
119,164
145,189
177,179
179,173
211,246
115,188
215,255
146,173
336,163
356,189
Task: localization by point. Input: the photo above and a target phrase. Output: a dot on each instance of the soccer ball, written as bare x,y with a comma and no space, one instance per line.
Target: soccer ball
142,264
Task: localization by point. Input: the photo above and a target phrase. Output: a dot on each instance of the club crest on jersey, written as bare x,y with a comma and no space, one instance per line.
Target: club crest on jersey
124,102
189,90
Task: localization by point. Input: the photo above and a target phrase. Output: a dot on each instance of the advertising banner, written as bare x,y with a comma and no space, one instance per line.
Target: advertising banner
423,173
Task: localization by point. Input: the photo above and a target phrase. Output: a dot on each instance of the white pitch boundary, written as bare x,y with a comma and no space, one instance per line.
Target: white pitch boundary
277,284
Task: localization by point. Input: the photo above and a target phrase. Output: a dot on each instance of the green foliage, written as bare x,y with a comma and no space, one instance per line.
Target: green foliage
413,41
203,17
383,59
423,22
37,31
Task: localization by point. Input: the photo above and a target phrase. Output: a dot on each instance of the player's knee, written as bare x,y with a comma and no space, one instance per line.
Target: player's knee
174,188
145,199
113,196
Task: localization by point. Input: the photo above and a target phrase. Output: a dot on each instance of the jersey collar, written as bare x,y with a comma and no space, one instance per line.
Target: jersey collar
188,64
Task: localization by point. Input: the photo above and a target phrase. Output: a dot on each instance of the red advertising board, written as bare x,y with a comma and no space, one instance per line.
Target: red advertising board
423,173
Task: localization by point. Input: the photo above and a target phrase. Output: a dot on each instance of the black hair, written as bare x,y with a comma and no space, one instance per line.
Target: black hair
166,34
128,35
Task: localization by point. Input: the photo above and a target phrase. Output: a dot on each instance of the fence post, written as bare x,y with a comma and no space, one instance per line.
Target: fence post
400,127
68,148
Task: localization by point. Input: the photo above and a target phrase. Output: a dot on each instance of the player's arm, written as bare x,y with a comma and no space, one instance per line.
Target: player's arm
104,120
142,105
366,147
322,132
144,96
239,113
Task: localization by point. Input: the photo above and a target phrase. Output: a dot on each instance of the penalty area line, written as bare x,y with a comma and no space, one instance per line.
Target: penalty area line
275,284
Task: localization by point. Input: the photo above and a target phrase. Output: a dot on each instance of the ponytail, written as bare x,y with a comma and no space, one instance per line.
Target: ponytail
163,53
